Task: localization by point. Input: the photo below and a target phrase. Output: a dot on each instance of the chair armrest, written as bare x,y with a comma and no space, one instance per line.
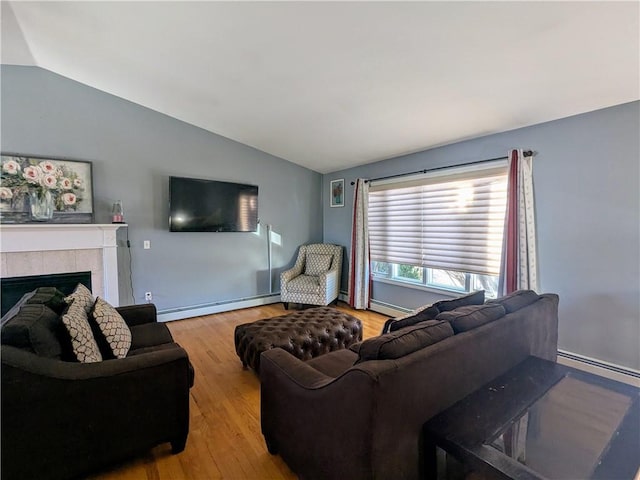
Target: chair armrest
329,284
138,314
57,369
290,274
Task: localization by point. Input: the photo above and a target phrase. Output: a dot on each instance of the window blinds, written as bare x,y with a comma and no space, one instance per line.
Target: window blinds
452,220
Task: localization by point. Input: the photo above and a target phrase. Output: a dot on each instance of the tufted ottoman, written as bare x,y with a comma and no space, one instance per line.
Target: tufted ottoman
305,334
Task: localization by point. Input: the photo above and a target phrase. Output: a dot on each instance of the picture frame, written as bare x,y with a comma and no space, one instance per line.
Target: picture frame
38,189
336,193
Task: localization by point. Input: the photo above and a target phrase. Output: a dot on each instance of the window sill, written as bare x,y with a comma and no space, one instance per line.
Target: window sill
424,288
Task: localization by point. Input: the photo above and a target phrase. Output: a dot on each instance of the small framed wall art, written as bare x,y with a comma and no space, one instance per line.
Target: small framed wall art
336,192
39,189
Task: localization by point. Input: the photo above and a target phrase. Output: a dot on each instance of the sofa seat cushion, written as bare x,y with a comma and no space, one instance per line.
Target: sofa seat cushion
304,284
475,298
35,328
334,364
516,300
404,341
472,316
150,335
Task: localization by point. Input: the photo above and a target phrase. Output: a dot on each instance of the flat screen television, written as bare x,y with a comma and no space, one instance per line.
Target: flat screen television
197,205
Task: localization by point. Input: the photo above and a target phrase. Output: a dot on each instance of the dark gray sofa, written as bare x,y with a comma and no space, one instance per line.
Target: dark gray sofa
358,413
63,419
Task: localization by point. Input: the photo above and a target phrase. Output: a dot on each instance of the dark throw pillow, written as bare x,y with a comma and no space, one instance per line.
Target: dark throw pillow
516,300
403,342
429,313
51,297
34,328
472,316
475,298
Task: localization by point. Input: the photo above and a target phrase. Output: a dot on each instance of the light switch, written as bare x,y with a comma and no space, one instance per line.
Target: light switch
147,244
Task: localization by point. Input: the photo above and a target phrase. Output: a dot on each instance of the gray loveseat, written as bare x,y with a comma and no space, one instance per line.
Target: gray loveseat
63,419
358,413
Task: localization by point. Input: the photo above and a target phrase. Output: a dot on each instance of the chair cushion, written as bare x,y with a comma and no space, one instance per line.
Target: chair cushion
84,344
113,327
304,284
150,335
516,300
405,341
472,316
317,263
35,328
475,298
81,296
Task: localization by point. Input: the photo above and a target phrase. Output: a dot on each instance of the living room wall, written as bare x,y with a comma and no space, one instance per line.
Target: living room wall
586,182
134,150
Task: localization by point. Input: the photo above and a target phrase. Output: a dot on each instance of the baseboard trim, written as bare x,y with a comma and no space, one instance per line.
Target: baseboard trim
379,307
181,313
599,367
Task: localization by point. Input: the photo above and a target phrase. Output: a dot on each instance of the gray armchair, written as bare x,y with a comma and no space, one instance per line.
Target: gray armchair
315,277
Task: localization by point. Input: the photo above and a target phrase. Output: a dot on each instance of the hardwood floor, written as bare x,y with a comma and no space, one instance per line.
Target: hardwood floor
225,441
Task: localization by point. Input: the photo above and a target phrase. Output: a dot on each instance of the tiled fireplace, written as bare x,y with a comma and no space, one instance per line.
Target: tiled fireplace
43,249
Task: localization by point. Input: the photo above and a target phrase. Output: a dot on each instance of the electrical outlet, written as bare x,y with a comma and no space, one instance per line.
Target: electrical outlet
148,297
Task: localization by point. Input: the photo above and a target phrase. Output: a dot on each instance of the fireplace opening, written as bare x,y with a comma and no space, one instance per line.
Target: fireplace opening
12,289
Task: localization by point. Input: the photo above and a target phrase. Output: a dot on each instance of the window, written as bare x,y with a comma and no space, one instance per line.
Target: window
440,230
449,280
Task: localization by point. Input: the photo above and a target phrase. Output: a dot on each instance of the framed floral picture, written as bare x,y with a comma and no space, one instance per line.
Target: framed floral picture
337,193
38,189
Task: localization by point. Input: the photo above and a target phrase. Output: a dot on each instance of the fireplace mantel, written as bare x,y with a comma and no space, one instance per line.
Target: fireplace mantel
23,241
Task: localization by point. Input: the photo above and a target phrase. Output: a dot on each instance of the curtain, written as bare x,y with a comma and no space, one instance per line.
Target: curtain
518,268
359,274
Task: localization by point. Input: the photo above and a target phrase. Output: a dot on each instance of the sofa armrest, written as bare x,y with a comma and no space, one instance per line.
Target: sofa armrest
302,374
297,403
138,314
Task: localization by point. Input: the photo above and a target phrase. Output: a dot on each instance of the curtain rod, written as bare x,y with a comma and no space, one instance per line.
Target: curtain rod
526,153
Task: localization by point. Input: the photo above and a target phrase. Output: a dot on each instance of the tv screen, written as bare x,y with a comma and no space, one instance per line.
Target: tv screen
197,205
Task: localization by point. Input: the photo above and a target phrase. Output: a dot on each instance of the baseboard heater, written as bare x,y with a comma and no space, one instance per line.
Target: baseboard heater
599,367
180,313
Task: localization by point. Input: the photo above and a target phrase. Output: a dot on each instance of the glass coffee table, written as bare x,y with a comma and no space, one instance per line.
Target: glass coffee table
541,420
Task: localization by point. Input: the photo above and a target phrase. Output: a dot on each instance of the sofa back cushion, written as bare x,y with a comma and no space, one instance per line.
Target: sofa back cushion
35,328
403,342
428,313
516,300
475,298
472,316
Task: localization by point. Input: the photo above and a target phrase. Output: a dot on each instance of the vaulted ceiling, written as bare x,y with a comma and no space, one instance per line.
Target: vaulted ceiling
330,85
